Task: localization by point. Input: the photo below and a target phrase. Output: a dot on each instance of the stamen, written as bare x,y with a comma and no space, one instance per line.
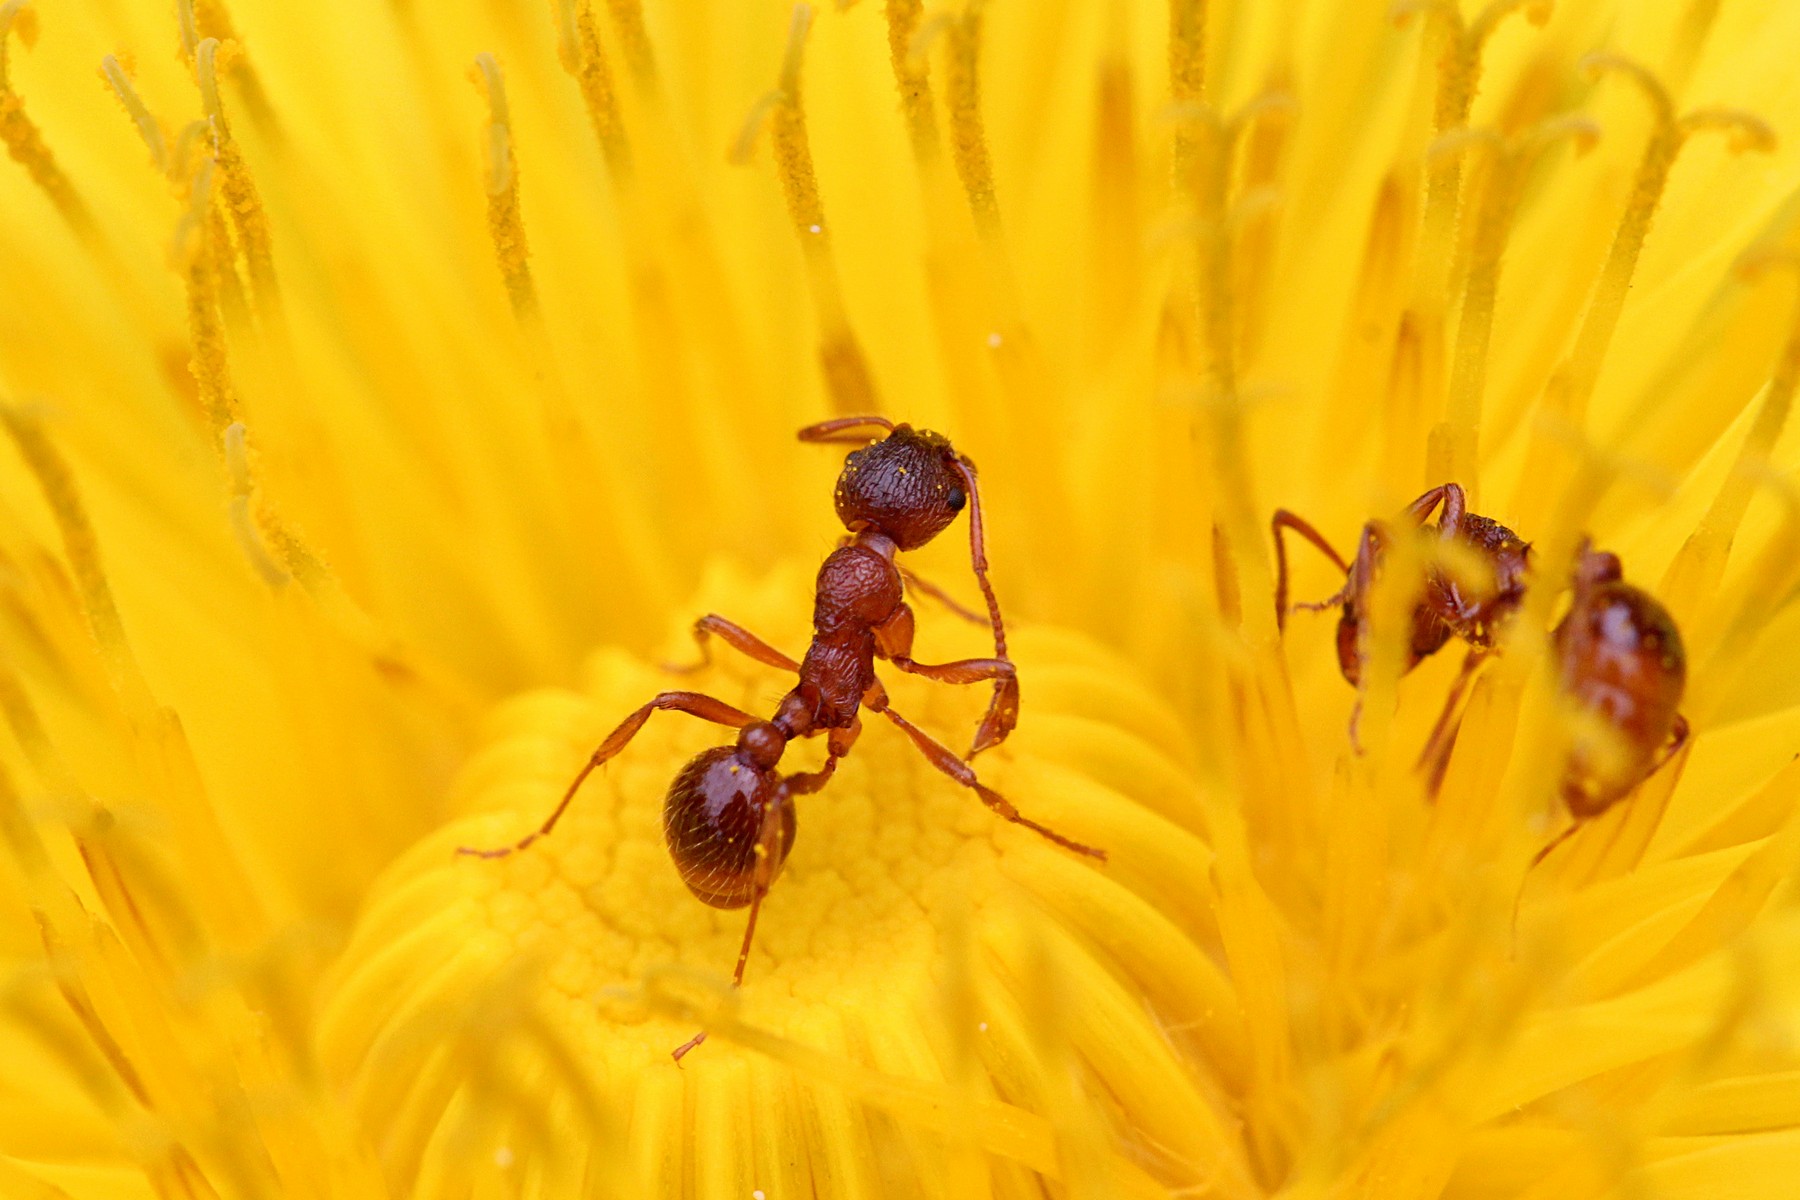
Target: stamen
912,74
847,378
1699,567
968,137
634,41
80,545
1458,79
236,187
243,523
579,50
505,224
1187,51
152,133
209,19
1689,40
1454,453
210,364
1573,384
24,141
1117,248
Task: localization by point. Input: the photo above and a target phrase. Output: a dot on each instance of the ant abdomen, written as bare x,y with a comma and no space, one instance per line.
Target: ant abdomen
1622,662
711,820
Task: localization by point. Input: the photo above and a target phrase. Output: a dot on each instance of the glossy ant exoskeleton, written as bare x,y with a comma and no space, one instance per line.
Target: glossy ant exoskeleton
1449,604
728,819
1622,669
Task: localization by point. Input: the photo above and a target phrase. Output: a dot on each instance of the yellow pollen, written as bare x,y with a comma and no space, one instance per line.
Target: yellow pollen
80,545
848,382
24,142
203,19
237,190
583,57
505,225
1572,385
634,39
912,74
1454,449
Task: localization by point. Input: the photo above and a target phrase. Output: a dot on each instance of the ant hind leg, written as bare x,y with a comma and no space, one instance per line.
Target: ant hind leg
695,704
940,757
768,833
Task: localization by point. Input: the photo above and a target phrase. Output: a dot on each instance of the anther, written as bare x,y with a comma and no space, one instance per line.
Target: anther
82,548
1456,448
911,74
249,221
506,225
22,138
579,50
847,377
1572,385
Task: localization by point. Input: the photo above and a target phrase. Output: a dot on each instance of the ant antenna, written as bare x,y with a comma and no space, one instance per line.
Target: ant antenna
978,556
844,429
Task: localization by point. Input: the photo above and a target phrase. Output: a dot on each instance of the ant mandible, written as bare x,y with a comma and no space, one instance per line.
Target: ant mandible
729,819
1448,605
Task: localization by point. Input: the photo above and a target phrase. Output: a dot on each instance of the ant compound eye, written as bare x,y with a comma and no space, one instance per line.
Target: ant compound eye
955,499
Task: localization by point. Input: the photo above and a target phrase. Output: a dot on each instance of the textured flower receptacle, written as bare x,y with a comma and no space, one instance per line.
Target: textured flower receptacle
907,935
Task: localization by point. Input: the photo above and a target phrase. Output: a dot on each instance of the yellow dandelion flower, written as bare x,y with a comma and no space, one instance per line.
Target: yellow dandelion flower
388,388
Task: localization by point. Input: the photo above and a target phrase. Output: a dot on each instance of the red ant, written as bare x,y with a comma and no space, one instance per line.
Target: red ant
728,818
1447,606
1621,664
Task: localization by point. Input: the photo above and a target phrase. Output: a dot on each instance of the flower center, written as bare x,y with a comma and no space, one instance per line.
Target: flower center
913,934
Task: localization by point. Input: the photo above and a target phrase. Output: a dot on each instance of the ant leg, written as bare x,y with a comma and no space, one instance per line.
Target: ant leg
692,703
1435,757
843,429
766,836
941,758
1537,858
838,745
1003,709
1283,519
1002,714
739,639
1678,737
924,588
1451,496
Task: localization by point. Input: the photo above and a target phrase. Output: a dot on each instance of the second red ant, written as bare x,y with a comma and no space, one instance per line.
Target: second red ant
729,817
1618,653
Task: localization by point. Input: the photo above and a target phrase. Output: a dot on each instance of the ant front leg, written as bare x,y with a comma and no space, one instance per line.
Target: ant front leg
695,704
1285,520
940,757
739,639
1003,712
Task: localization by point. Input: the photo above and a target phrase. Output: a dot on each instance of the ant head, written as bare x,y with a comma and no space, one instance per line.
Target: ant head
910,485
